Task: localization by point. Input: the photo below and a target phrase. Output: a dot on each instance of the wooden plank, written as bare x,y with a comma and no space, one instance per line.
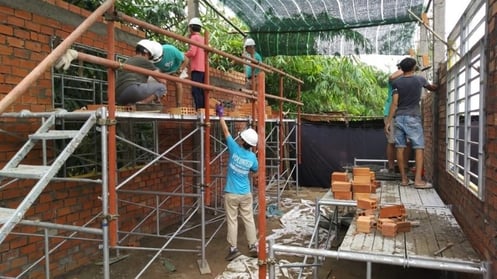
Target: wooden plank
421,239
389,193
430,197
409,195
451,240
419,197
354,241
437,235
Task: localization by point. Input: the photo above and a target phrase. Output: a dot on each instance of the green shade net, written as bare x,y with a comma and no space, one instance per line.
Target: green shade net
323,27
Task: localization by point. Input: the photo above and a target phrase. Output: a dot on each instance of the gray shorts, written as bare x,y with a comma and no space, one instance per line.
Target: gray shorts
140,91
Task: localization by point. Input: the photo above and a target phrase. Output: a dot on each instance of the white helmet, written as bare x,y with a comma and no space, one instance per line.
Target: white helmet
249,42
250,136
156,51
154,48
195,21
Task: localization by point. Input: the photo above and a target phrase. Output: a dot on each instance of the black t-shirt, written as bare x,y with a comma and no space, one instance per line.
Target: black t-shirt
409,89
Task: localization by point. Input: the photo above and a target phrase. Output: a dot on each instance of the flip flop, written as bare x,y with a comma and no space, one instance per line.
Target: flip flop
426,185
409,183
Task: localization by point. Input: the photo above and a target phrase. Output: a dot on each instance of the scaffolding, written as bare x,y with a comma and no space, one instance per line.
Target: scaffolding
278,172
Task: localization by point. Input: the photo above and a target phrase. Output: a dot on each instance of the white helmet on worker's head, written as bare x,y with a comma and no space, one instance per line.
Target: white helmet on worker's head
195,21
249,42
153,48
156,51
146,45
250,136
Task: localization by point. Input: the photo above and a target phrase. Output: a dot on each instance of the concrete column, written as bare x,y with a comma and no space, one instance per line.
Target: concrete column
439,48
192,9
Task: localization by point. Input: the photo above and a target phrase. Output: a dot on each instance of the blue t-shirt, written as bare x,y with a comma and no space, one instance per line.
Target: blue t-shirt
248,69
171,59
241,162
388,103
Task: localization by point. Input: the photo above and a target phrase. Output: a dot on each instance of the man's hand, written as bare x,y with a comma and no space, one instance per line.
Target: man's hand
387,128
219,110
65,60
183,74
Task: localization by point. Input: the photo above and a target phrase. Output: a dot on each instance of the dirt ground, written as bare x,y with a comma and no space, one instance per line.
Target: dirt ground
182,265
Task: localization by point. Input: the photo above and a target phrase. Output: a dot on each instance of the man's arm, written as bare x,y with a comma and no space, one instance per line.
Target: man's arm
431,87
395,75
393,108
226,132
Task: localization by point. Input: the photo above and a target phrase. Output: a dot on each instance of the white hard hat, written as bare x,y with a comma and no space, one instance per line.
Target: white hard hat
146,44
195,21
250,136
156,51
249,42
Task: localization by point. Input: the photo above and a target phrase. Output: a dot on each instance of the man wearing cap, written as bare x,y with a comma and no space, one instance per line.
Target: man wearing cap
134,87
238,198
169,59
196,56
251,72
390,150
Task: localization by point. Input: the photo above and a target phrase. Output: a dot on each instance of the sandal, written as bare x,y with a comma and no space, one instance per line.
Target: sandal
426,185
409,183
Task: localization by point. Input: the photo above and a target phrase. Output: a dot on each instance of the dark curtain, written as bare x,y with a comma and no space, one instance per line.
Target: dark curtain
329,147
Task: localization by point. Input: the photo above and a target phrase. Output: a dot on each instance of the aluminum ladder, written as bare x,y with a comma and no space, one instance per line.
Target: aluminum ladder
10,217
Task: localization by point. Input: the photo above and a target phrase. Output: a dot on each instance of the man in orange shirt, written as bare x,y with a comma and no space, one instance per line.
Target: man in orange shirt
196,58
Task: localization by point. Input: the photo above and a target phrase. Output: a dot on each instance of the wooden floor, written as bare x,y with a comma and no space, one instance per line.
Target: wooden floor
437,237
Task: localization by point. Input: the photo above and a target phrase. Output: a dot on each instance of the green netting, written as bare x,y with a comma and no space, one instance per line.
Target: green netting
301,27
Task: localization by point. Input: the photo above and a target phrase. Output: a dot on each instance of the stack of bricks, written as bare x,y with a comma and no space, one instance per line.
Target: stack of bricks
341,186
363,183
366,206
392,220
366,220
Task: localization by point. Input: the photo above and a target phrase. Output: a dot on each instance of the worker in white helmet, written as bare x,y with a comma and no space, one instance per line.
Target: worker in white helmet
132,87
238,198
169,59
196,59
251,72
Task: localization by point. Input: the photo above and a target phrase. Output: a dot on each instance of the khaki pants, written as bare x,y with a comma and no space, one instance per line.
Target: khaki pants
242,204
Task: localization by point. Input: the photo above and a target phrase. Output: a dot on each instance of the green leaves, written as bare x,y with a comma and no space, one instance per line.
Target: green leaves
333,84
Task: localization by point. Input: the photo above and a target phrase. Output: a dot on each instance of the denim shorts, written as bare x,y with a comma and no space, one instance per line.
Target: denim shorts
409,127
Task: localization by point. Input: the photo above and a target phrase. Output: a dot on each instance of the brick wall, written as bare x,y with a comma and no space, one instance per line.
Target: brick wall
25,35
478,218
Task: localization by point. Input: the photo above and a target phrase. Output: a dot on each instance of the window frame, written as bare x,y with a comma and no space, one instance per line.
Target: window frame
465,117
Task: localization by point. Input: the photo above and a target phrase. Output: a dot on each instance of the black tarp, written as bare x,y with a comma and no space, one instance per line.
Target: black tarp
328,147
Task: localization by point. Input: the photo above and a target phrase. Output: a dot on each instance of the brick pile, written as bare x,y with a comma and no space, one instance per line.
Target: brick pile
390,220
359,184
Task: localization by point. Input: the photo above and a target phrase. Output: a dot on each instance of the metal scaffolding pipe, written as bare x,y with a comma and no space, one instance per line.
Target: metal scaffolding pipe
118,65
60,227
261,176
419,262
46,63
254,63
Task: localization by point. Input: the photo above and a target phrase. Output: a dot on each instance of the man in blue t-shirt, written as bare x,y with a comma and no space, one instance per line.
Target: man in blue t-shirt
389,134
405,114
237,192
